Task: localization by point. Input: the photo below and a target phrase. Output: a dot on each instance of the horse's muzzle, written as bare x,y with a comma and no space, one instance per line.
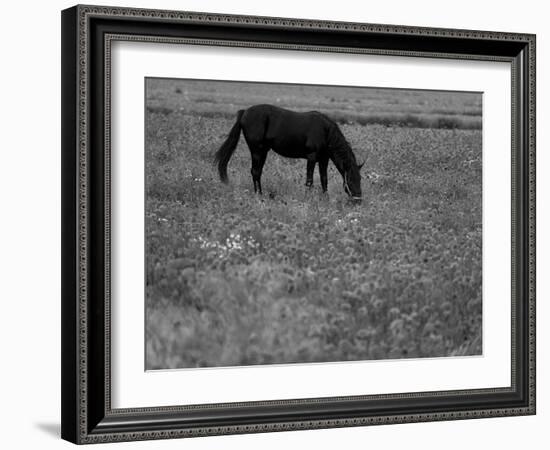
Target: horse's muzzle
356,199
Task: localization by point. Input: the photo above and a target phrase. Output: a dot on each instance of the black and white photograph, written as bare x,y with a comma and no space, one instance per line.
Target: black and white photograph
293,223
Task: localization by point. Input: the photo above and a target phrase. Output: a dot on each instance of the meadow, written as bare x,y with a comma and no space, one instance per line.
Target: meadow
233,278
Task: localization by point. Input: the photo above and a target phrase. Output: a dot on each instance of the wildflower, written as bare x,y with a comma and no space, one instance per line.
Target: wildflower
394,312
366,333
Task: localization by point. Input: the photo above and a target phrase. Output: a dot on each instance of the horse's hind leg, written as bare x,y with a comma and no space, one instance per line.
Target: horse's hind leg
258,160
309,171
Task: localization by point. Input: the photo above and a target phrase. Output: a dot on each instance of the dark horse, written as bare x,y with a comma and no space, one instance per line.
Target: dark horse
309,135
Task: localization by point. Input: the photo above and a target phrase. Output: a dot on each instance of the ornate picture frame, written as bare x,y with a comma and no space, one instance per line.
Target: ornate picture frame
88,33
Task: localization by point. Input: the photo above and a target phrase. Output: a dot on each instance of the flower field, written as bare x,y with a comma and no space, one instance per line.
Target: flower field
297,276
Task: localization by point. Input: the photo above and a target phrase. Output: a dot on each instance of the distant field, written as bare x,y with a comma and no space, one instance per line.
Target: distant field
297,276
409,108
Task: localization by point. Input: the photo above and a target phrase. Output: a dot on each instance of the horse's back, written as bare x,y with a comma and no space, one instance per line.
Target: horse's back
284,130
282,116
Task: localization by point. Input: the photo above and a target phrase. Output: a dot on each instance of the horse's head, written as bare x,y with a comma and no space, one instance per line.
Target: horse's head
352,182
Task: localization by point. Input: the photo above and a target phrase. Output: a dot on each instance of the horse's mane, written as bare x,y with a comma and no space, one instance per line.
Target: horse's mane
340,147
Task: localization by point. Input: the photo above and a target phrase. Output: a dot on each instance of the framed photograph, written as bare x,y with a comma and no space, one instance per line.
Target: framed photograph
278,224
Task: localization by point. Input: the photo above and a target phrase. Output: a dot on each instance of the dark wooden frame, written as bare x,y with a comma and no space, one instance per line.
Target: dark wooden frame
87,32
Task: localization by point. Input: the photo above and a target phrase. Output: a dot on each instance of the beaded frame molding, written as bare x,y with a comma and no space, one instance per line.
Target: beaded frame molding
87,34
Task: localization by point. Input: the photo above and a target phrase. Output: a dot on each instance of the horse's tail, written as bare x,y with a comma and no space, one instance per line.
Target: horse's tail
223,155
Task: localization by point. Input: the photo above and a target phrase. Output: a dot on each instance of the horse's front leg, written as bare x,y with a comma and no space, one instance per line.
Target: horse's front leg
309,171
323,165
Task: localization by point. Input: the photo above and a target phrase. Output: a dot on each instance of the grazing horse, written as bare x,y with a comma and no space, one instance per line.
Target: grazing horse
309,135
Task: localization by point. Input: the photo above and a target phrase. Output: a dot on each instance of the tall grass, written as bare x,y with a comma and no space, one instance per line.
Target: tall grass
298,276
